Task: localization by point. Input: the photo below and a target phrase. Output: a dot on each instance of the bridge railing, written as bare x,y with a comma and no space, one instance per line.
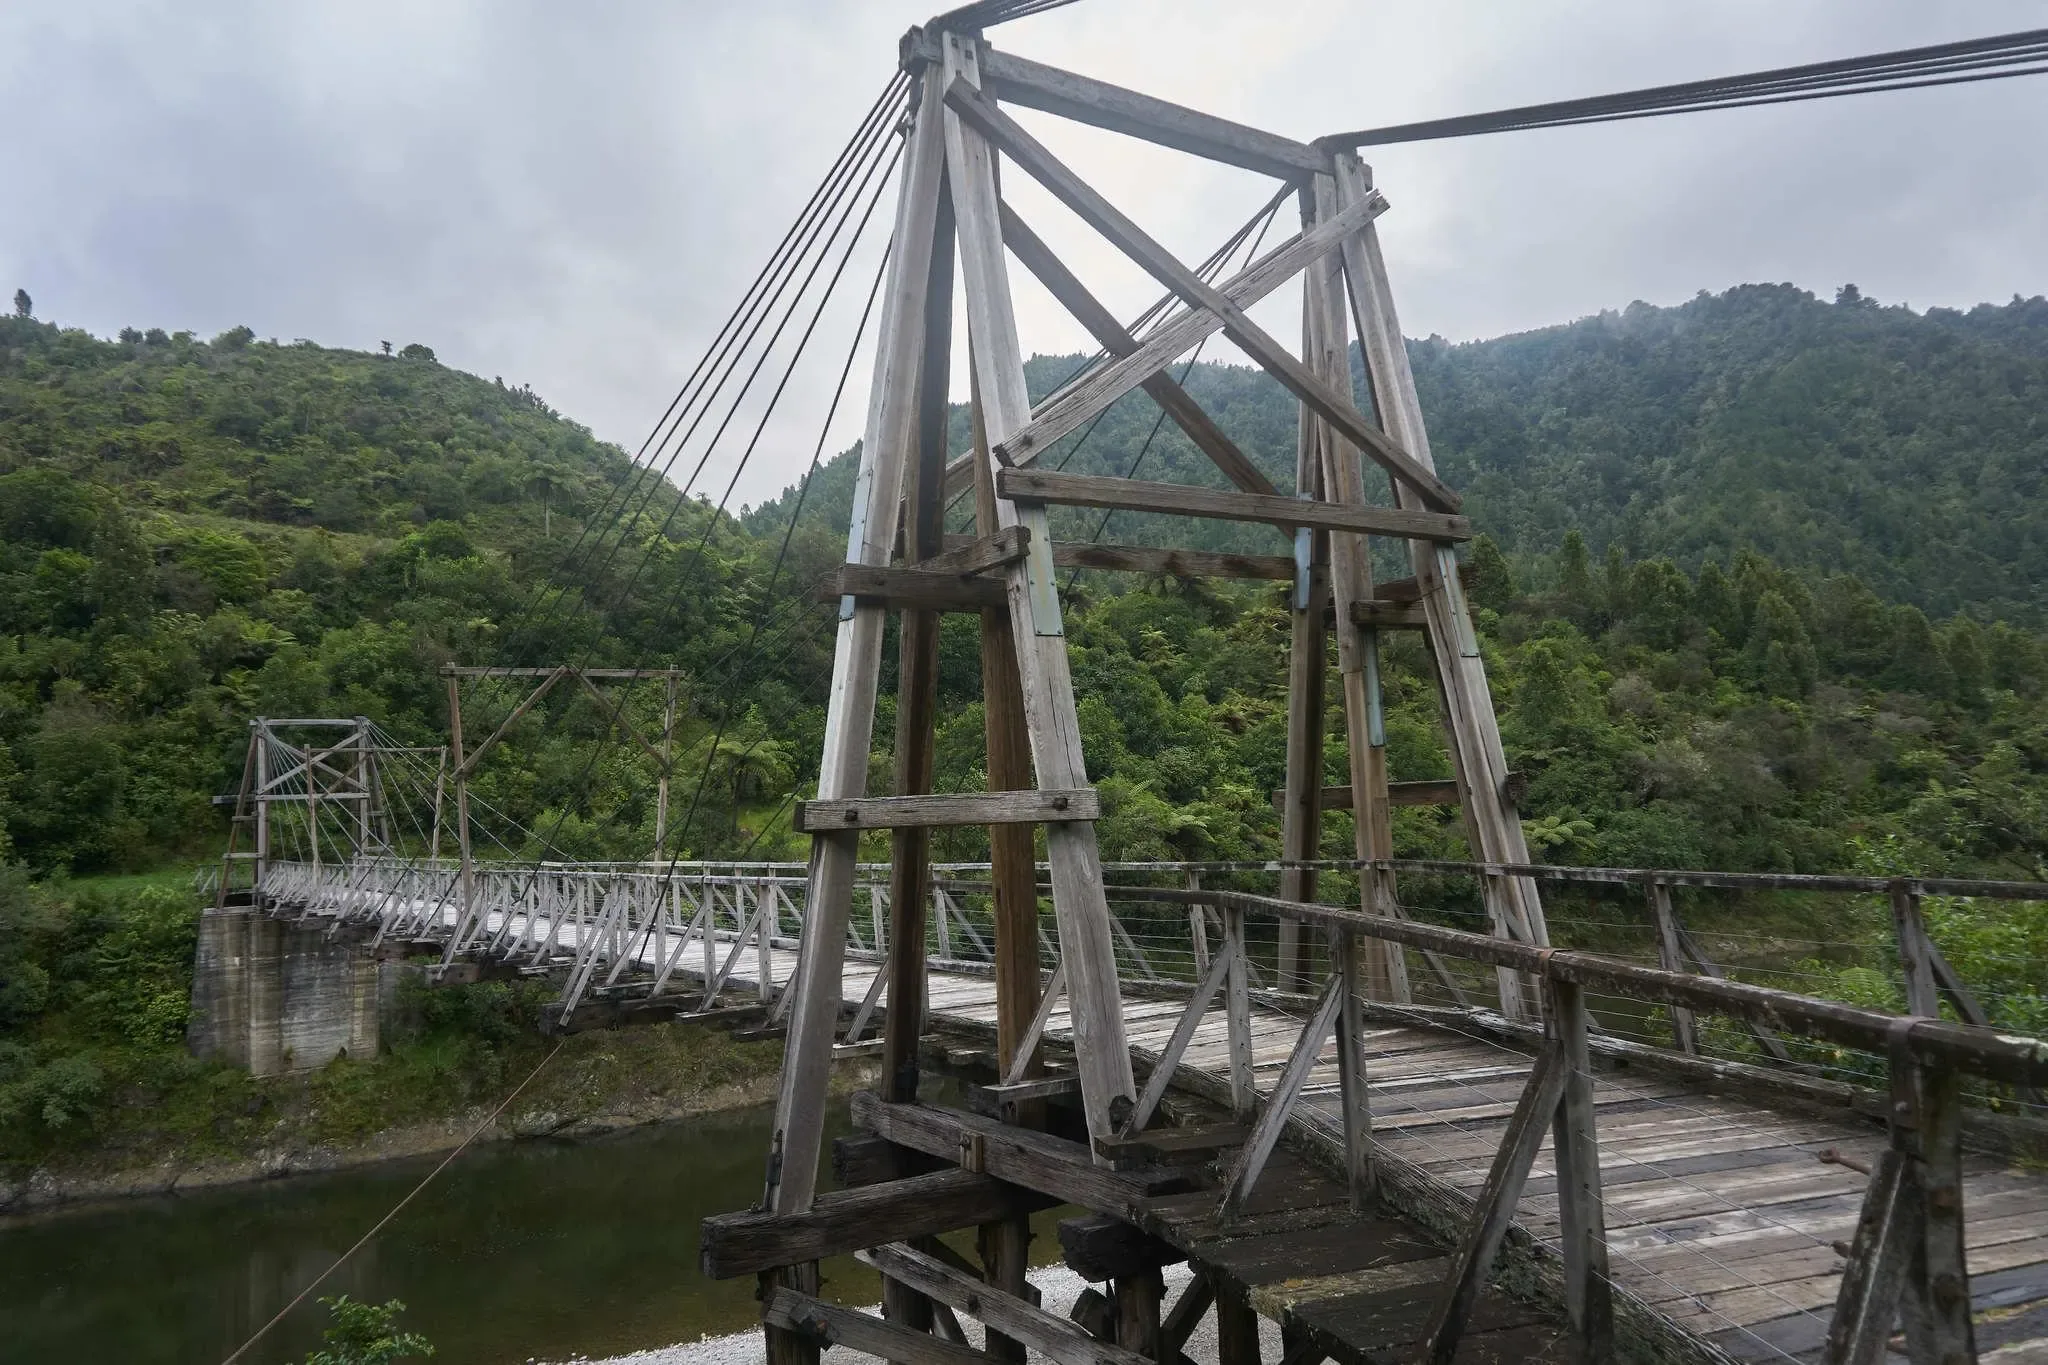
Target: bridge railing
1907,1247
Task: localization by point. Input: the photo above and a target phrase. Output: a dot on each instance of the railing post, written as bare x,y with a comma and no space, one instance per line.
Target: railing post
1361,1178
1589,1301
1244,1095
1916,963
1672,959
1198,927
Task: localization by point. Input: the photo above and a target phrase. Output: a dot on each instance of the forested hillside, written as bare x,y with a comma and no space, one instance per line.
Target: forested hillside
1771,574
1910,449
192,533
197,532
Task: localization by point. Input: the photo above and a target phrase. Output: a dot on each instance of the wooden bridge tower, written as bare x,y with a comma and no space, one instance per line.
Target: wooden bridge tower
897,559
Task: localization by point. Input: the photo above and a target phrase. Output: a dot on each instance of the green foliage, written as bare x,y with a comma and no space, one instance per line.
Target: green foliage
366,1334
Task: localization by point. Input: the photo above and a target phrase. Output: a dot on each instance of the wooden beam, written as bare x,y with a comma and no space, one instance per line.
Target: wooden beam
1377,615
1582,1219
1163,266
1154,560
1173,338
1017,80
1102,324
827,1324
960,808
1251,1158
908,589
1045,673
1183,1033
1427,792
1495,1206
846,1220
1059,1340
975,554
1671,958
1173,499
880,484
1098,1247
1054,1166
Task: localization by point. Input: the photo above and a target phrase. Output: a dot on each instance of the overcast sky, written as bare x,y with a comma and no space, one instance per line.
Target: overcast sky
573,196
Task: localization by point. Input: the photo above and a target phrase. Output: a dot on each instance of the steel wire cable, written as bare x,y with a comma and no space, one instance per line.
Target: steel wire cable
2015,54
722,356
712,522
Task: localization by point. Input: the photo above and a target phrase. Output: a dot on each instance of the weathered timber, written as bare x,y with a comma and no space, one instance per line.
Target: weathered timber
847,1220
949,809
1045,675
1495,1209
864,1159
1170,562
1017,80
1137,495
977,554
1057,1338
1426,792
1377,615
917,589
1139,1296
826,1324
1032,156
891,433
1173,338
1098,1247
1976,1051
1589,1296
1037,1161
1111,336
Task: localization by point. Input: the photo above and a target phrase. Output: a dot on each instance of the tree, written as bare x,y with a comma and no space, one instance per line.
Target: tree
1493,581
1575,578
122,568
414,351
24,306
366,1334
386,345
234,339
1779,651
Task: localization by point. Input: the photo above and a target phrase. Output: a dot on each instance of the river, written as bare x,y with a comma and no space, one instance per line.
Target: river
519,1251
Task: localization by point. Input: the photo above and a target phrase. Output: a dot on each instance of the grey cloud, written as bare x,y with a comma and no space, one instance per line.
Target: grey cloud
573,196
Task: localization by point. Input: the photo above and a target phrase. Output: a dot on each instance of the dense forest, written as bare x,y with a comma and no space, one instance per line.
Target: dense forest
1760,588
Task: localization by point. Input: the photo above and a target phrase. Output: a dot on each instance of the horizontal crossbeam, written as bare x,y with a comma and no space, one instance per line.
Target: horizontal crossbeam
847,1220
968,554
1429,792
828,1324
910,589
930,812
1337,408
1099,104
1173,499
1153,559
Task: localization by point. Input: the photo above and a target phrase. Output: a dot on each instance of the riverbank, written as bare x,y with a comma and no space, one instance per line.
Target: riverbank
1058,1287
351,1114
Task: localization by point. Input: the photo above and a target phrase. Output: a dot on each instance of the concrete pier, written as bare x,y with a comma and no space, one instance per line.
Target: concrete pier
275,997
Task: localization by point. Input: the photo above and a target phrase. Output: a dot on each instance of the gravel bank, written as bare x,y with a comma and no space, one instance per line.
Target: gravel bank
1057,1285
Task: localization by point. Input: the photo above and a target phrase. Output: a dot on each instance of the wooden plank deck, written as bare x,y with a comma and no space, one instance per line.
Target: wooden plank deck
1720,1215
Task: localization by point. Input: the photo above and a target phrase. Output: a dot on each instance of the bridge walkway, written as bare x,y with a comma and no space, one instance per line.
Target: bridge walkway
1727,1214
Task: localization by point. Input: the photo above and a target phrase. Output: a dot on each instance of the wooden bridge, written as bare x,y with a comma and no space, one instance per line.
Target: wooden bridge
1740,1199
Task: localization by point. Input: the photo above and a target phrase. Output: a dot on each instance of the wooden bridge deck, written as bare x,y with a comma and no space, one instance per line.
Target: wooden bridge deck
1722,1218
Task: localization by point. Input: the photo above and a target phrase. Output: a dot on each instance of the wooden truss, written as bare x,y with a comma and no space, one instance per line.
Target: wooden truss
898,559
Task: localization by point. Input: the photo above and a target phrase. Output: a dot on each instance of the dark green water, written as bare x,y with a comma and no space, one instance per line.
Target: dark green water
518,1251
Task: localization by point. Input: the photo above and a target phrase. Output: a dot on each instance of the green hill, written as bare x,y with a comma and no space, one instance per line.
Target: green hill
1909,449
